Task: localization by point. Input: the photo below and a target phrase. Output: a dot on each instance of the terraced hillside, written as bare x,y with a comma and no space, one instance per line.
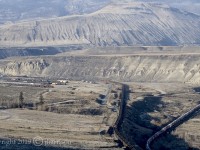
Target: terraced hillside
116,24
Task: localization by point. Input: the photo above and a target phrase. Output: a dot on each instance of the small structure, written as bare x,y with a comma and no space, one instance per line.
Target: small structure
62,82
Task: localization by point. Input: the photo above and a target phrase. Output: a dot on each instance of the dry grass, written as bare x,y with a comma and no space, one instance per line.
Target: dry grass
152,105
29,124
80,122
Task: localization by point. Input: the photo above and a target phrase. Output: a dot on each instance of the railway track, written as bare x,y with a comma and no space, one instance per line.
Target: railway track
165,129
119,121
172,125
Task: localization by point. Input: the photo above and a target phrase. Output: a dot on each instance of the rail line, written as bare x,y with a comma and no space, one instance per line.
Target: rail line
165,129
172,125
118,122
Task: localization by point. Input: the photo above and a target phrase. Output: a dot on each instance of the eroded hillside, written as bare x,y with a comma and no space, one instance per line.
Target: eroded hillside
116,24
144,67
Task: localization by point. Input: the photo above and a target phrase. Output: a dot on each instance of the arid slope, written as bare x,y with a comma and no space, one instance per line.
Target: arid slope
116,24
145,67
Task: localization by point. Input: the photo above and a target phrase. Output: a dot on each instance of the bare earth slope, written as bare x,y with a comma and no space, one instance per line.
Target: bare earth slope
189,5
136,67
116,24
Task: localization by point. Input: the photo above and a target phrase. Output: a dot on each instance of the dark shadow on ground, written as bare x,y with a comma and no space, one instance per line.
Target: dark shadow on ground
37,51
137,122
170,142
137,125
143,107
196,89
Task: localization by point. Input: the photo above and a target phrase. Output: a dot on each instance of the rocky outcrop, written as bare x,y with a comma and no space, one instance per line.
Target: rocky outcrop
31,67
